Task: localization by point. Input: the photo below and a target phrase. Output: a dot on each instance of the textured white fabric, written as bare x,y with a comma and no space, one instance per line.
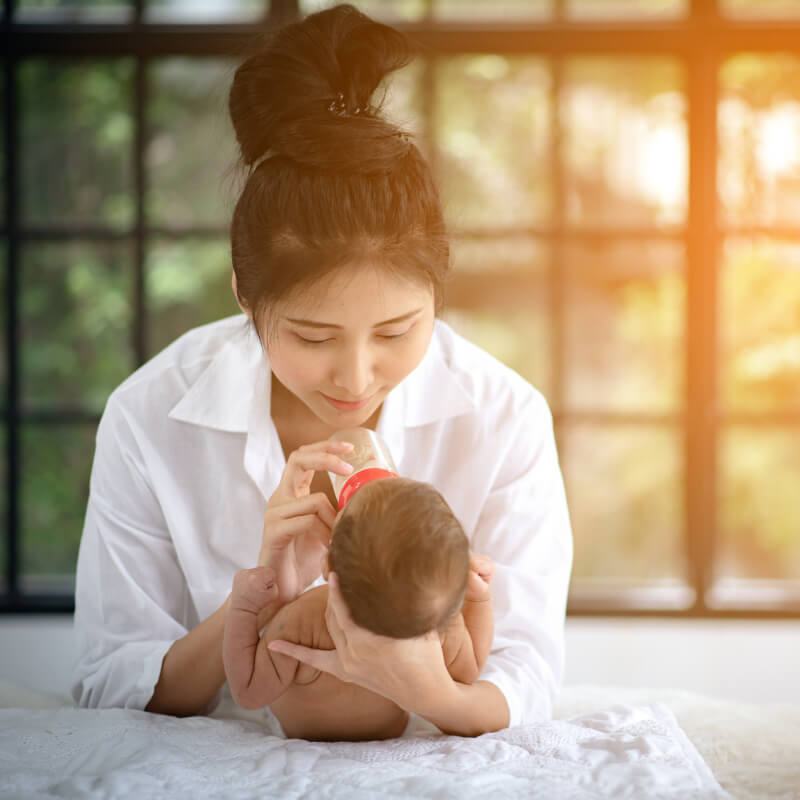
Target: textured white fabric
618,752
752,748
187,457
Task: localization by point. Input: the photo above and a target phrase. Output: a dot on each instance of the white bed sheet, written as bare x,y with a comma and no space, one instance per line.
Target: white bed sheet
752,748
615,751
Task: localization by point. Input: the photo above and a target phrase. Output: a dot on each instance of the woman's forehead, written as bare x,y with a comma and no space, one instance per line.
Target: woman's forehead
367,293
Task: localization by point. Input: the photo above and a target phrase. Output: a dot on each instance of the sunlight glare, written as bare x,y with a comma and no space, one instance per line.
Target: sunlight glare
778,147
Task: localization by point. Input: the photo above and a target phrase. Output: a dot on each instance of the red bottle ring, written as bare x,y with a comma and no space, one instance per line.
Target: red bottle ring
355,482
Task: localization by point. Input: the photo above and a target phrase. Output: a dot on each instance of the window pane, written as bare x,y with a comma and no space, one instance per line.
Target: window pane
492,128
759,140
625,144
626,503
761,8
492,10
517,336
402,102
76,317
520,255
626,9
191,142
760,325
759,516
188,284
56,463
76,142
498,298
91,11
378,9
625,322
205,10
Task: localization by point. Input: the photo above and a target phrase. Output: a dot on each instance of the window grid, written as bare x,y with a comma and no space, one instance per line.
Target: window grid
700,42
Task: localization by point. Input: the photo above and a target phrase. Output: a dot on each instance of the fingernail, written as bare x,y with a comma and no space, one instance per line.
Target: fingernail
345,465
344,445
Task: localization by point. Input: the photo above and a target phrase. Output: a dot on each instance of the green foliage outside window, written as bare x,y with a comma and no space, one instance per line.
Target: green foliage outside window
620,347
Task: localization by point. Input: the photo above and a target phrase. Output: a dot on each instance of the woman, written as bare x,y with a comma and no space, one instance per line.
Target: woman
339,258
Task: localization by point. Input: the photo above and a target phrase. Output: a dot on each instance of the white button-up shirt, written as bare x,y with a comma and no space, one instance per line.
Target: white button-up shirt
187,456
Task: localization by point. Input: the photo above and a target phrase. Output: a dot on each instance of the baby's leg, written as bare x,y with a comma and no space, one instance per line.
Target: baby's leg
328,709
256,676
318,705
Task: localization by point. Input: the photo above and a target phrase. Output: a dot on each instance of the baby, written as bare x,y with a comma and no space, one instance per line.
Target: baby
404,569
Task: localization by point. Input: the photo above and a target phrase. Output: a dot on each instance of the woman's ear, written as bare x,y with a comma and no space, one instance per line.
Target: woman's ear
235,287
326,565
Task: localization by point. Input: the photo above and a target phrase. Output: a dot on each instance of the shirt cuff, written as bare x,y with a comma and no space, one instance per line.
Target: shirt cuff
533,706
152,662
511,696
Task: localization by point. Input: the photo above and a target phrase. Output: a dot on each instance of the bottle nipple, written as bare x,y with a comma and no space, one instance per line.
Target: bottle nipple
370,459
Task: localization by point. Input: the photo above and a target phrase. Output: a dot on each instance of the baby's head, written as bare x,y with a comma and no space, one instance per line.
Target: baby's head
402,558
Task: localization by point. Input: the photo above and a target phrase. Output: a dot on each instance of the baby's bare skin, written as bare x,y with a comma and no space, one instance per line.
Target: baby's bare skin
315,705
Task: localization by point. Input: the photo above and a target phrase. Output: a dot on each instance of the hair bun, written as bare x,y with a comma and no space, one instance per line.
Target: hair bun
297,95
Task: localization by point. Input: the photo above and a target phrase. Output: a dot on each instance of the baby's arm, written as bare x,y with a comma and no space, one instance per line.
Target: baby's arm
256,675
468,639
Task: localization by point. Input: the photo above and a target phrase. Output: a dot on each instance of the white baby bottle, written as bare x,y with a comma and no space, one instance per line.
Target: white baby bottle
370,459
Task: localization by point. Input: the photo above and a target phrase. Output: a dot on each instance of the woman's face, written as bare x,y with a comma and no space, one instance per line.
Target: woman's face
344,344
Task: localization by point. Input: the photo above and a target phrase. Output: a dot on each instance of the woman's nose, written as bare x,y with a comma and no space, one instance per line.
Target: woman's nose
354,373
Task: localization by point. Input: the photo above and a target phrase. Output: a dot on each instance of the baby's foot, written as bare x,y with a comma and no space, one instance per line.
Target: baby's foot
253,589
481,572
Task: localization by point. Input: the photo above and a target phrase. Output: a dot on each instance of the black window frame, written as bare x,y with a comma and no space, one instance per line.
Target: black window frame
700,41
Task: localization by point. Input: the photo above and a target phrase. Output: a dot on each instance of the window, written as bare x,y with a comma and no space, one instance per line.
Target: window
622,182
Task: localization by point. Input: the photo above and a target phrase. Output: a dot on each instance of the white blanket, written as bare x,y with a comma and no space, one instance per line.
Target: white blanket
622,751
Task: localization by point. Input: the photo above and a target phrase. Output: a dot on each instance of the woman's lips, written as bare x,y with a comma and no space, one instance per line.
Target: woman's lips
343,405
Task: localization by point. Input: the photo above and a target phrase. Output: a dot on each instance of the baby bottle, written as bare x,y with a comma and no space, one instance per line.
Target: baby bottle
370,459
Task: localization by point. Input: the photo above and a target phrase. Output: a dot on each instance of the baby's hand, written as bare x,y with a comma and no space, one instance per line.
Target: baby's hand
481,572
253,589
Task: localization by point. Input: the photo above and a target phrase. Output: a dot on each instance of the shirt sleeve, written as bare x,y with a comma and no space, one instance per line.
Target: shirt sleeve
524,526
131,596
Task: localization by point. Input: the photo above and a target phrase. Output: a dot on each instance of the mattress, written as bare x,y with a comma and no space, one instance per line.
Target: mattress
604,743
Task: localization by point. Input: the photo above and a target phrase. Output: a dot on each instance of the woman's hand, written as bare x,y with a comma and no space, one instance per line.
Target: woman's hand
410,672
297,524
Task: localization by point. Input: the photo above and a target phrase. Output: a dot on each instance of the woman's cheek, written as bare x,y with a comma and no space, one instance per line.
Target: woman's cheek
292,365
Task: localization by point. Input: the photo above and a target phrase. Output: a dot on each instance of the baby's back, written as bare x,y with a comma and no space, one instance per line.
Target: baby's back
317,705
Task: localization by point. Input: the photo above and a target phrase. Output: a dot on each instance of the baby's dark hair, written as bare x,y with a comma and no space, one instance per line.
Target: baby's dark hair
330,181
402,558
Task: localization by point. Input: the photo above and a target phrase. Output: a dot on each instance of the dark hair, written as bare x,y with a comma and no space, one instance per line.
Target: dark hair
402,558
330,181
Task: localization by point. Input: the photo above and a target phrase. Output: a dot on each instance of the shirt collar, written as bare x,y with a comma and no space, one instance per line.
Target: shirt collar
431,393
222,396
234,390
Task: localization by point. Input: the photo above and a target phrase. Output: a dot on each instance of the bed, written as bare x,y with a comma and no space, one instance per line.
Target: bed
602,743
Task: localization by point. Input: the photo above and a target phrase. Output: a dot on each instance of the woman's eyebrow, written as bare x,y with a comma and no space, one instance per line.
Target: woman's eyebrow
310,323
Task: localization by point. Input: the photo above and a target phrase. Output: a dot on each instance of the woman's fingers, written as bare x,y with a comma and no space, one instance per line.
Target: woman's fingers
308,526
308,459
317,503
325,660
337,614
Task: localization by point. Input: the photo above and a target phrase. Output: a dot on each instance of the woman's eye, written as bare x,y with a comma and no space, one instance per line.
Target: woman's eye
393,335
311,341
